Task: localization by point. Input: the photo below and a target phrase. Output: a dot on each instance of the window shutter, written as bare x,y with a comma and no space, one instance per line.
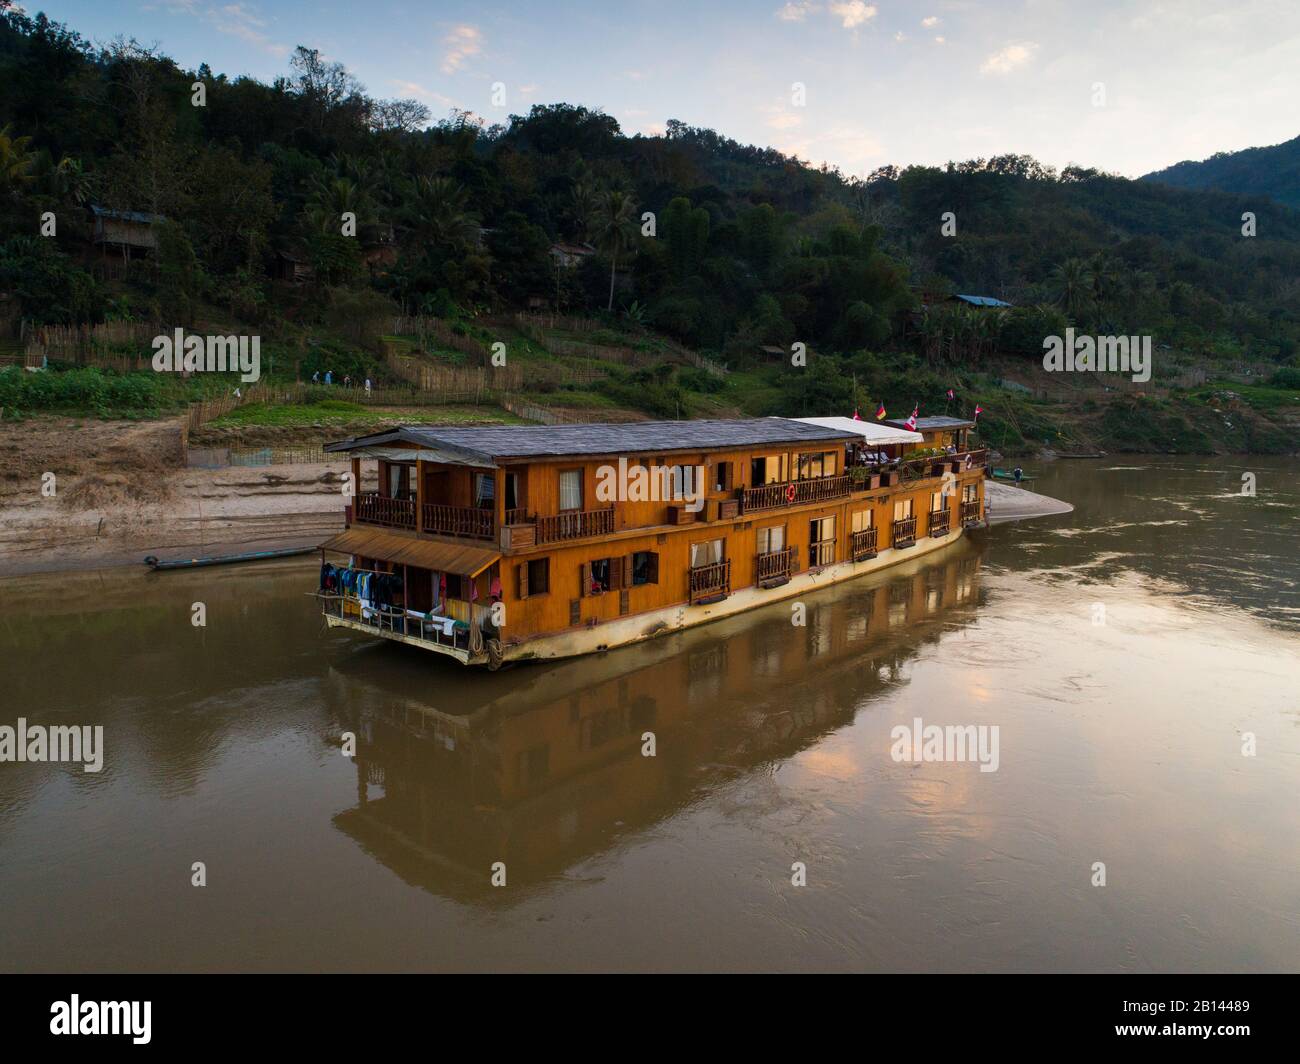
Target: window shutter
652,576
584,579
623,605
627,571
522,571
575,611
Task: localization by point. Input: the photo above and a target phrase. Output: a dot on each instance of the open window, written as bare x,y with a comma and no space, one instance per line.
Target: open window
645,568
534,577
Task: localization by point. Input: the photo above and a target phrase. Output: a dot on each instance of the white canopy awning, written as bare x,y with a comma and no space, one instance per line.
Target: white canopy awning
874,433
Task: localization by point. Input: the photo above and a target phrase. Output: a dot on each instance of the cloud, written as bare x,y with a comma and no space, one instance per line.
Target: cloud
780,118
853,13
1010,58
930,21
414,88
900,36
797,10
236,20
462,42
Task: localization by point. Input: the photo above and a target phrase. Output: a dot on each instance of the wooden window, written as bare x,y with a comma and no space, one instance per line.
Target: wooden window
970,493
512,491
771,539
600,576
821,541
683,481
645,568
534,577
575,611
722,476
771,469
817,464
863,520
485,490
902,509
709,552
571,489
937,501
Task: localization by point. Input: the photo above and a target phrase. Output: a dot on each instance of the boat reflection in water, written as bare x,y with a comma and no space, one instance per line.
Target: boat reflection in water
540,767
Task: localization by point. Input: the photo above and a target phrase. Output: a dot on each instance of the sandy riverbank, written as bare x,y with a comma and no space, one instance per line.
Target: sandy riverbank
1005,502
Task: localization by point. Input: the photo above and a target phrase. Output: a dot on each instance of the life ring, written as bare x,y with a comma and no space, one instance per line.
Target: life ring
789,493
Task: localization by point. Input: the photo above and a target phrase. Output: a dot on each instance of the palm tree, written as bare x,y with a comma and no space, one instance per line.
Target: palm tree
16,162
1073,285
1106,280
614,230
330,199
438,212
582,203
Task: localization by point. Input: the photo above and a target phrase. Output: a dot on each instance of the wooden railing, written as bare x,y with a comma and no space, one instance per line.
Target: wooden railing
770,496
472,521
775,566
576,524
376,509
970,511
904,532
519,516
864,544
711,581
822,553
939,522
923,468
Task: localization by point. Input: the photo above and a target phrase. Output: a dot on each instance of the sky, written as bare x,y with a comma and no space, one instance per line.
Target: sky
1124,87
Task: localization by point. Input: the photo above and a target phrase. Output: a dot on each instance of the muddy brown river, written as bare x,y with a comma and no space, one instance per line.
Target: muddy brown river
1138,658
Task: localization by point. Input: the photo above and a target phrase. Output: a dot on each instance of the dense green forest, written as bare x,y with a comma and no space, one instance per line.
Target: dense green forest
1273,171
750,249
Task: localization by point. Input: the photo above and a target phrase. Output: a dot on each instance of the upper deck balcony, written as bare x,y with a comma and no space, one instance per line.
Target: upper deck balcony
499,485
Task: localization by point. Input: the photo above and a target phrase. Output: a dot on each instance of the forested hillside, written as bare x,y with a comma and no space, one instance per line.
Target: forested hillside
1273,171
747,249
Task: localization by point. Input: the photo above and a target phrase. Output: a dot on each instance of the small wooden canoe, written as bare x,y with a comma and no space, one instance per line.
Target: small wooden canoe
1006,474
225,559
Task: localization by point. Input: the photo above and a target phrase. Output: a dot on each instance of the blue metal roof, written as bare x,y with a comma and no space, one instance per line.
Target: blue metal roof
982,301
126,216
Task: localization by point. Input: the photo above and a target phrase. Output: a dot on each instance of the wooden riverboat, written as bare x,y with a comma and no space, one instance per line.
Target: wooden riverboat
517,543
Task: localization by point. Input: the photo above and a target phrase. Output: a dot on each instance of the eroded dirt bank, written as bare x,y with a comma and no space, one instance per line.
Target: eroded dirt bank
121,492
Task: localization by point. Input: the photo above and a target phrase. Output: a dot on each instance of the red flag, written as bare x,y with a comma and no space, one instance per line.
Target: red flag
950,395
856,415
911,421
880,412
978,411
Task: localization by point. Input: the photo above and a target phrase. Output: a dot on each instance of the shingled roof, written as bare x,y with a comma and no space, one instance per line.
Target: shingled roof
486,444
938,423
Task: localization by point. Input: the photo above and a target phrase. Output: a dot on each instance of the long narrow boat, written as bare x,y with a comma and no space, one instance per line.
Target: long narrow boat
225,559
1006,474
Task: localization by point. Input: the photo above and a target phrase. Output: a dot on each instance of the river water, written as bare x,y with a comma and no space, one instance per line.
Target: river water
1126,653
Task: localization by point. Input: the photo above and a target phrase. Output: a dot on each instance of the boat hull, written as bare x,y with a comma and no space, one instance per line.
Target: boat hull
654,623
